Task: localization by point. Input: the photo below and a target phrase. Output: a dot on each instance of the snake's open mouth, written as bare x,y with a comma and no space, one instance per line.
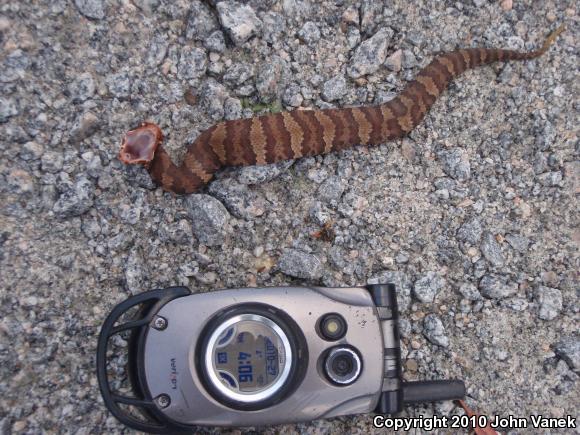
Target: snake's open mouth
139,145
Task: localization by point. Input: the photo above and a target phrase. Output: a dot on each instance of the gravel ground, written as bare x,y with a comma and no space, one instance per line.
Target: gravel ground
473,215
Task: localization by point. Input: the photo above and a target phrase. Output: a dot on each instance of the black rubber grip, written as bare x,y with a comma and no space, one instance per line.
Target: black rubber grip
433,391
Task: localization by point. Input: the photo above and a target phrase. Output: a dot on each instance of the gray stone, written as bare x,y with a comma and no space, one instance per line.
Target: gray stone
470,292
119,85
238,74
491,250
370,54
309,33
157,50
135,272
31,151
215,42
331,189
85,126
239,21
334,89
94,9
201,21
52,161
300,264
455,163
192,63
269,77
213,96
82,88
550,179
434,331
496,287
427,286
395,61
549,301
208,217
409,60
569,350
293,96
239,201
518,242
319,213
470,231
274,25
8,109
14,66
370,12
258,174
232,108
75,200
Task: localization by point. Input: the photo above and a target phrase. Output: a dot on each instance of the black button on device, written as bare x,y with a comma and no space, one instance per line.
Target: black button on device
332,327
342,365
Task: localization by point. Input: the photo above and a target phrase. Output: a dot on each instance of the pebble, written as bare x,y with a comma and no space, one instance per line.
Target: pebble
119,85
518,242
568,349
549,301
470,231
334,89
192,63
262,173
52,161
213,96
331,189
496,287
309,33
434,331
491,250
84,127
201,23
239,21
215,42
94,9
455,163
469,291
428,286
300,264
75,200
82,88
8,109
269,78
395,61
370,54
208,218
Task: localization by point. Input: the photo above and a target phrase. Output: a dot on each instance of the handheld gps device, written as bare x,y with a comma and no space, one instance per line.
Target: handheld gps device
259,356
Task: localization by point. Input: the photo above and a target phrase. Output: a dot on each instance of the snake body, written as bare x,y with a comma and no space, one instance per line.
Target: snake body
290,135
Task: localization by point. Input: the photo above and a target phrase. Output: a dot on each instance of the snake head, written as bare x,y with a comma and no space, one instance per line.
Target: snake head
139,145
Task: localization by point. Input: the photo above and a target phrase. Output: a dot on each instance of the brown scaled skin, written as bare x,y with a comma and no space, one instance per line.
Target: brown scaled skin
290,135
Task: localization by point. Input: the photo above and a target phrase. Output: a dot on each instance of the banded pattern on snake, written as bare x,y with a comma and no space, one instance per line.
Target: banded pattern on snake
290,135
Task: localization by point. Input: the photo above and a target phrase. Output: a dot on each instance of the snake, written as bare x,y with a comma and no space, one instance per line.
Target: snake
275,137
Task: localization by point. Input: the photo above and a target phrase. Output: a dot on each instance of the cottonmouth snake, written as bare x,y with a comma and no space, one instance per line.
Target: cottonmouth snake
290,135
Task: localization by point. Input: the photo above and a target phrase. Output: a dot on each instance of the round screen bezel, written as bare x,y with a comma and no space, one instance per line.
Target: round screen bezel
211,370
292,331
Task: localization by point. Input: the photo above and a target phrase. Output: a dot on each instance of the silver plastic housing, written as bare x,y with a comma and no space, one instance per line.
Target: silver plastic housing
170,355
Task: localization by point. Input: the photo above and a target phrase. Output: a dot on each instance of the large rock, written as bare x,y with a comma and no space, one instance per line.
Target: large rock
370,54
239,21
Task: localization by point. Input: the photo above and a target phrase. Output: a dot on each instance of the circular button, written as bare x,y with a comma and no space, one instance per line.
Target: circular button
342,365
332,327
